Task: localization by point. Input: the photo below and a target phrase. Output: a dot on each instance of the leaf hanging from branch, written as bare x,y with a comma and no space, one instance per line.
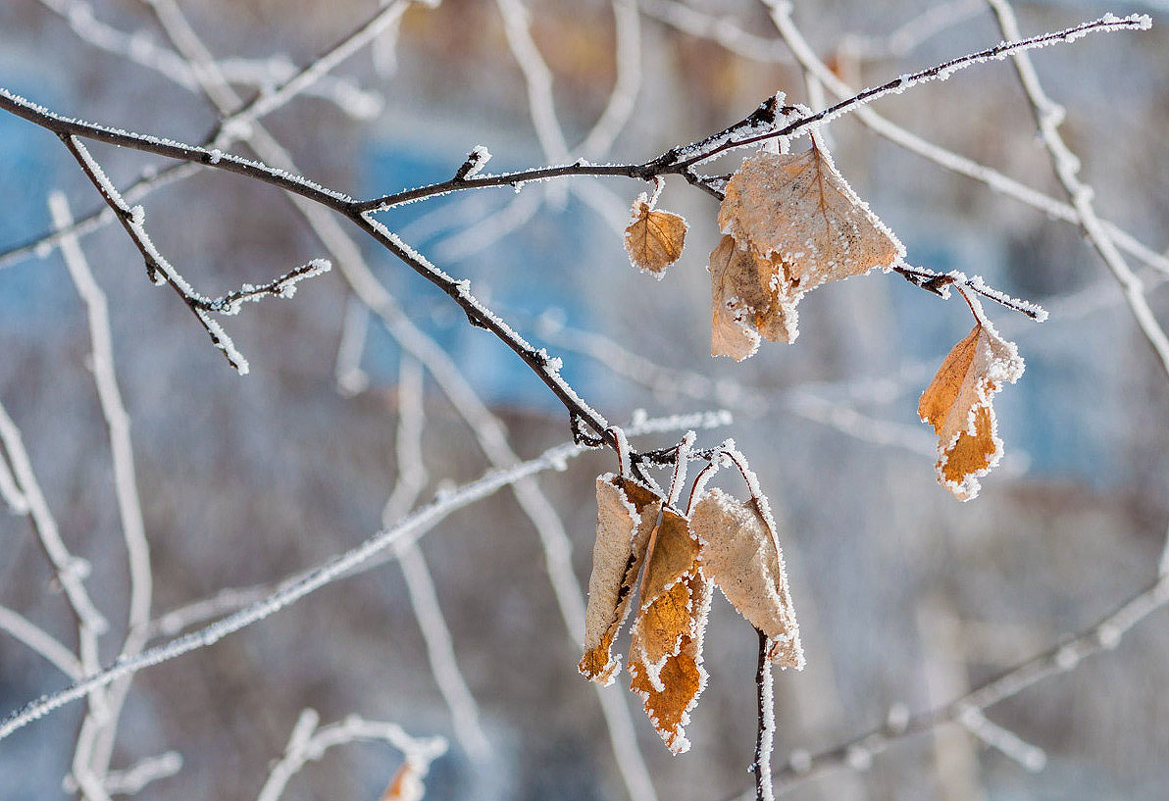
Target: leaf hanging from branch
801,225
957,403
654,239
740,553
680,679
626,514
745,304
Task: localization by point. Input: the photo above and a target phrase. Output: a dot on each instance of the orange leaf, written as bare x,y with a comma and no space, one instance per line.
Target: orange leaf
626,514
958,405
406,785
654,239
740,553
665,655
681,680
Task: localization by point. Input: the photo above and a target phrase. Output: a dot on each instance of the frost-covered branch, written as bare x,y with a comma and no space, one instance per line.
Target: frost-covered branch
159,270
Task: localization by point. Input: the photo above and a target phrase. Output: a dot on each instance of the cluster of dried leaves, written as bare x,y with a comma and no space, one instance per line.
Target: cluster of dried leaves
790,222
723,542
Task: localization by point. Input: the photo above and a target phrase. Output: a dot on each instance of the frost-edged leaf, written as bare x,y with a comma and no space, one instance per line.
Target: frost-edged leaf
799,211
745,302
958,405
668,591
626,514
740,553
680,679
654,239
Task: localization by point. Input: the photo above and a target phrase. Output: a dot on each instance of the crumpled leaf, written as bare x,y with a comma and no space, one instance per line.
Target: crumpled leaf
680,680
665,654
740,553
958,405
746,303
626,514
801,224
654,239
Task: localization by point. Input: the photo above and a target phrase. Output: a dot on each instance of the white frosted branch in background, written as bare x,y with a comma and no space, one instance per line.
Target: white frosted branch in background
135,778
41,642
1005,741
9,492
412,479
1049,115
70,571
542,105
262,74
351,378
411,527
95,743
309,743
622,100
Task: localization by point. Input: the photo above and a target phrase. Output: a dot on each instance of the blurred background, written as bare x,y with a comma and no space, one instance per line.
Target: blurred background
907,599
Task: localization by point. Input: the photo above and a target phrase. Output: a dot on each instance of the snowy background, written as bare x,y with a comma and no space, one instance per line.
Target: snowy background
905,596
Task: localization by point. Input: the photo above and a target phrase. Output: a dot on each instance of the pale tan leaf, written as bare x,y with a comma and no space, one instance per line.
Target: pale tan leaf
798,209
746,302
626,514
958,405
740,553
654,239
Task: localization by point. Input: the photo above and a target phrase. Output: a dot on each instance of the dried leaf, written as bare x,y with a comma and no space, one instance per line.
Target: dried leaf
626,514
740,553
667,594
746,303
654,239
680,679
958,405
406,785
800,209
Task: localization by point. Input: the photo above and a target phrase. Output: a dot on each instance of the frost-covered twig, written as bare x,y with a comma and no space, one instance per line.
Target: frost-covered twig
689,155
1062,658
765,739
159,270
1048,116
412,478
310,742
